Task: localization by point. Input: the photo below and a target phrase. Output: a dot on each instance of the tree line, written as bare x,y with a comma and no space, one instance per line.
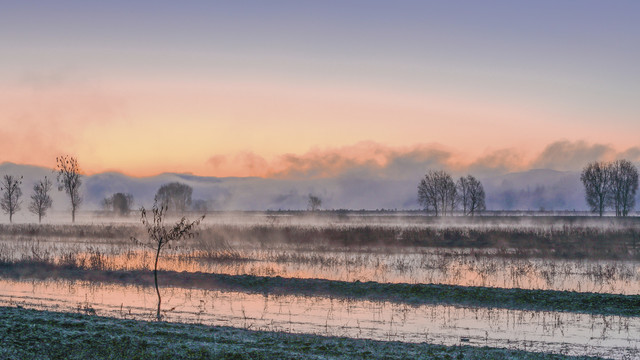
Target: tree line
610,185
11,192
607,185
176,197
438,193
68,178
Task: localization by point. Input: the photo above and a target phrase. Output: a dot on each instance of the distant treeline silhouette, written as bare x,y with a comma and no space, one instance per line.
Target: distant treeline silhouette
438,193
610,185
607,185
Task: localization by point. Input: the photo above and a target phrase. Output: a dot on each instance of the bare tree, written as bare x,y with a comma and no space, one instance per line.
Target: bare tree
200,205
595,178
463,193
175,196
107,203
623,177
476,196
40,199
119,203
11,192
449,195
428,194
69,180
437,192
160,236
314,202
470,195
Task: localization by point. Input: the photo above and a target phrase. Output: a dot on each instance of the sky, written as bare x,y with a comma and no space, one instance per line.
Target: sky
302,88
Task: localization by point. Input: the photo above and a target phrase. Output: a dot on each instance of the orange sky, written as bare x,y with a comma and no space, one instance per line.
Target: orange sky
243,128
236,89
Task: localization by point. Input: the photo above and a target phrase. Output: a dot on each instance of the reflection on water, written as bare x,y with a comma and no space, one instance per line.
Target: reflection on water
568,333
437,266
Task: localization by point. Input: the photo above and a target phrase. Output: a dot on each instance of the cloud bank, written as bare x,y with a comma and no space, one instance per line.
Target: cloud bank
374,159
363,176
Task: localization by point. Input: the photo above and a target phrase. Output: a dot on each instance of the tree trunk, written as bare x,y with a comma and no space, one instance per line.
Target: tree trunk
601,205
155,278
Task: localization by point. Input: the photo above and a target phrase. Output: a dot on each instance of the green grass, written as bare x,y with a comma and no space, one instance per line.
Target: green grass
32,334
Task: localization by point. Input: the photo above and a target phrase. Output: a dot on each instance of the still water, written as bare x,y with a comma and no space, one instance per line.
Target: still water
567,333
432,265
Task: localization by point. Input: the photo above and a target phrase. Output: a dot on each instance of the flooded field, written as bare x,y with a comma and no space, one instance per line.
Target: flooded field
566,333
465,267
475,255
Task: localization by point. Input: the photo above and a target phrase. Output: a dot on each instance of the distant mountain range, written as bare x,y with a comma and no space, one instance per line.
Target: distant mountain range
529,190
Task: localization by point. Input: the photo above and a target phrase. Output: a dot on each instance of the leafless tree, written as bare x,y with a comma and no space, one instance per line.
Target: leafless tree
314,202
596,179
69,180
428,194
463,193
107,203
119,203
471,195
623,177
200,205
449,194
437,192
175,196
476,196
11,192
161,235
40,199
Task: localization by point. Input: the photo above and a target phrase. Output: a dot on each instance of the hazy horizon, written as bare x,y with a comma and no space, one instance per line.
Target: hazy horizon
393,187
378,160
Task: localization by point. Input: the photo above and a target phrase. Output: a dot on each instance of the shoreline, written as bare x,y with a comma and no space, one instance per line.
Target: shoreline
413,294
26,333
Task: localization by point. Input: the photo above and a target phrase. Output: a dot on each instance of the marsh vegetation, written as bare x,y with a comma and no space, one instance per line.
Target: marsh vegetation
504,282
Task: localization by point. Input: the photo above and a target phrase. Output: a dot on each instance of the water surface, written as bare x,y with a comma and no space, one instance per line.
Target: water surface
567,333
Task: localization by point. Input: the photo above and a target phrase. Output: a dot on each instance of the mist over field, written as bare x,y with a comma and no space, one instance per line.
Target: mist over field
320,180
527,190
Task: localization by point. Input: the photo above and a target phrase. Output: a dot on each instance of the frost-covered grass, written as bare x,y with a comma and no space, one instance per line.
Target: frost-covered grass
32,334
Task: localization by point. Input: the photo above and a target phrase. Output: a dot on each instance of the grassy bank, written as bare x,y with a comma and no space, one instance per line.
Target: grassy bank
569,242
522,299
587,238
31,334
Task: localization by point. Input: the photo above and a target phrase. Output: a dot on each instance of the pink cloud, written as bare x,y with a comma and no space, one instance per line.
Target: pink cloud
406,162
